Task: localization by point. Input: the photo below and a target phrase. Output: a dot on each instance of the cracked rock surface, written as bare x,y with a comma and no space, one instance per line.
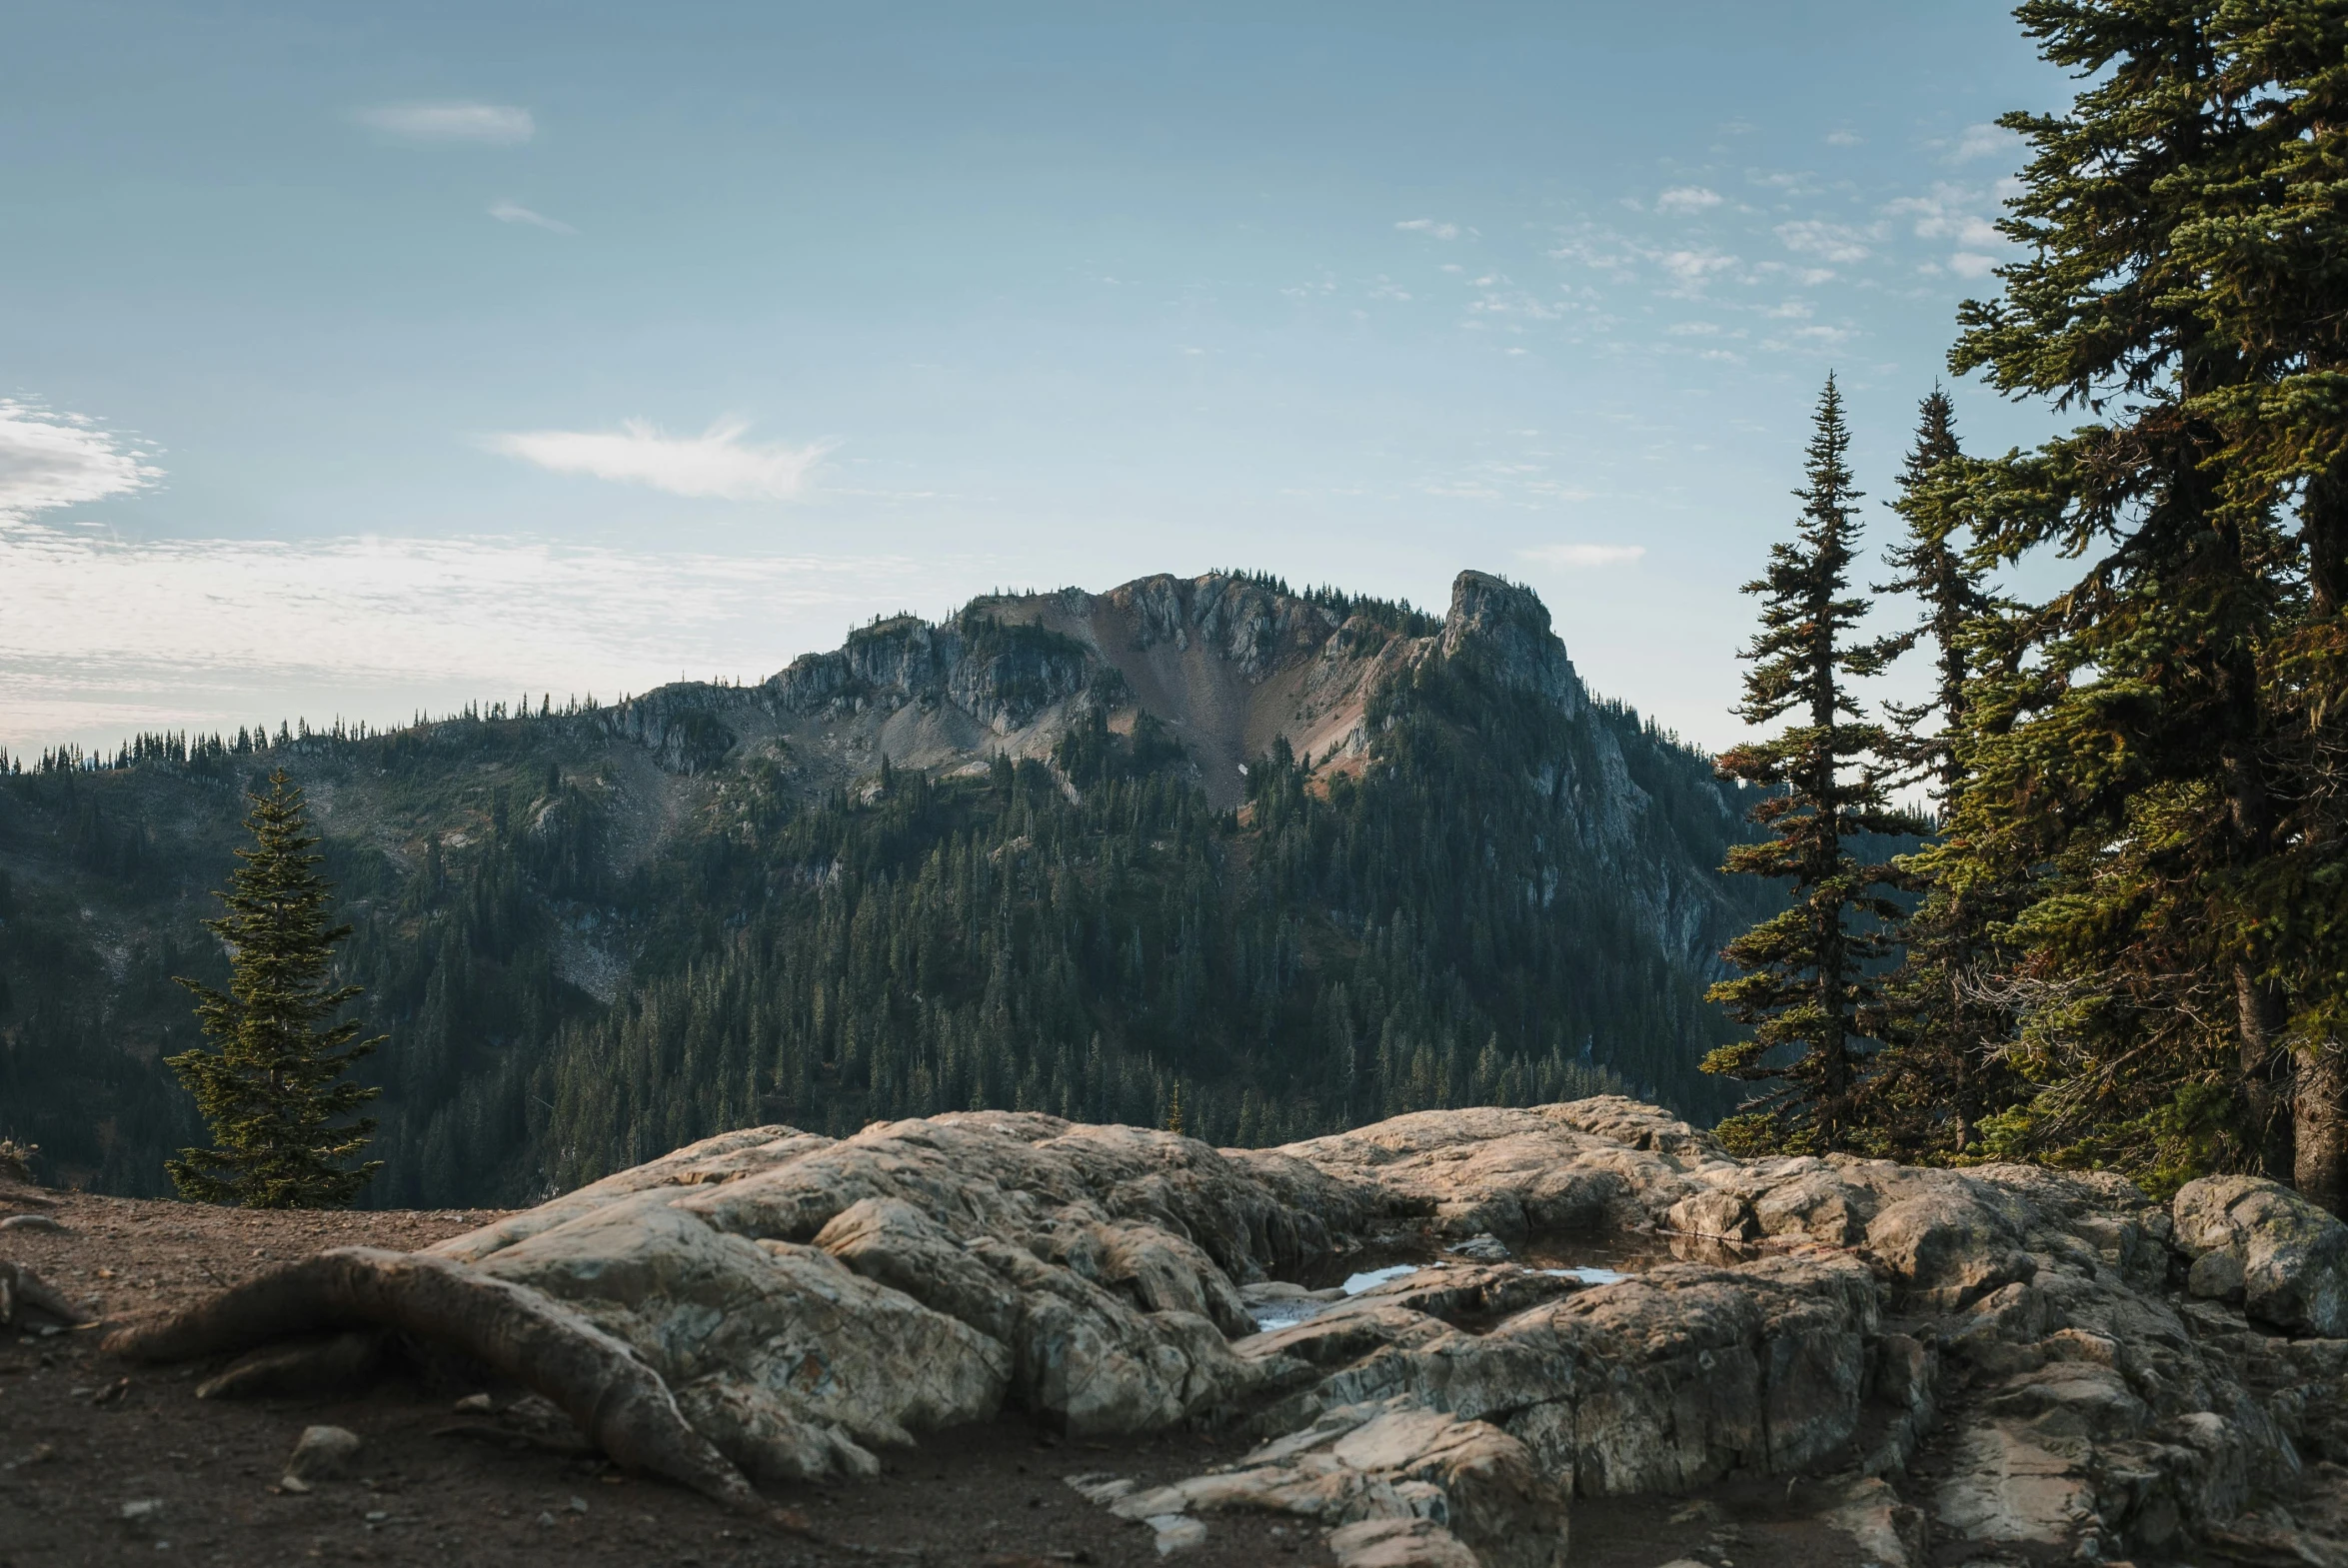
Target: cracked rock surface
2003,1363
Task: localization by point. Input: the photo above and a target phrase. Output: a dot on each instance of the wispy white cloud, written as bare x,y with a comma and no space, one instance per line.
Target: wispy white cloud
1985,141
1584,558
1837,243
492,124
1441,231
1687,198
50,460
1956,213
1844,138
1950,212
514,212
717,462
1694,268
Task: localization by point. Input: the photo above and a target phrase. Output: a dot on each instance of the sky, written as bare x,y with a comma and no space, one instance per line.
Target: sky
357,361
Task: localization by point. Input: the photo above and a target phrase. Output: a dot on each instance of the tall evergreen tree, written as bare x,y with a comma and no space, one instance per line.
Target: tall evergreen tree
1942,1071
272,1092
2269,242
1807,986
2153,754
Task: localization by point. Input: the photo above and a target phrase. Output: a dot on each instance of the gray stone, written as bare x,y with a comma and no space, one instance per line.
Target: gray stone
32,1222
2217,1276
1388,1461
1716,1216
1175,1533
1399,1543
1484,1248
324,1454
2292,1254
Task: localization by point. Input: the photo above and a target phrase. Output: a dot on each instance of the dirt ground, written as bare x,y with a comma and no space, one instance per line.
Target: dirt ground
103,1461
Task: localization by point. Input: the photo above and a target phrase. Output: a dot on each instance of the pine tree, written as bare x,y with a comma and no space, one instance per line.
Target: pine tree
2180,966
1942,1069
2269,243
1807,984
272,1091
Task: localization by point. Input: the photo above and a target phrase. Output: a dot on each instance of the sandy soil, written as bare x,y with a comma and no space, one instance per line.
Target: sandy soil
103,1461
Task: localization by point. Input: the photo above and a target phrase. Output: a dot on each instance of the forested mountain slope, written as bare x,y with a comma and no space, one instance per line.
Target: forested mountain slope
1206,851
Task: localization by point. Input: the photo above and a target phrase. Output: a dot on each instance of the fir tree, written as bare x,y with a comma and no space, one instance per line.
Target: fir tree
2157,750
2269,243
1808,985
272,1091
1942,1071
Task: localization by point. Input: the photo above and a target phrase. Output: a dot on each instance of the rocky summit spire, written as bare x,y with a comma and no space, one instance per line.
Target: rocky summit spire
1507,627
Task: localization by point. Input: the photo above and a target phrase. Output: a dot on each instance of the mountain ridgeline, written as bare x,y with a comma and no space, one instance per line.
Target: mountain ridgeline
1204,852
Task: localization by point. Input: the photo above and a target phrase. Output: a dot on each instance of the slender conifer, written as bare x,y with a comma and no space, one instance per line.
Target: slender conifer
273,1090
1809,990
1946,1032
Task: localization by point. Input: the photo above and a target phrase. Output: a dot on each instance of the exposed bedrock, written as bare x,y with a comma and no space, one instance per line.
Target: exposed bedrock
769,1306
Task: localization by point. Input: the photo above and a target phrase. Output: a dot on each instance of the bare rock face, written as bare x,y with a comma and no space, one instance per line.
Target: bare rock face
769,1305
1402,1475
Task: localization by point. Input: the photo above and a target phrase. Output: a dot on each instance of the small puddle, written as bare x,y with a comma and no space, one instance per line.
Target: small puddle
1369,1280
1588,1260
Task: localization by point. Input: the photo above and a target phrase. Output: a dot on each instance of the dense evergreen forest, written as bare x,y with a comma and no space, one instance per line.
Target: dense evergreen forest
1455,920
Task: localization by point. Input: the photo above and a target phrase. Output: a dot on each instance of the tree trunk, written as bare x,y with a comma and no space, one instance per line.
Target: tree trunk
2265,1074
2319,1116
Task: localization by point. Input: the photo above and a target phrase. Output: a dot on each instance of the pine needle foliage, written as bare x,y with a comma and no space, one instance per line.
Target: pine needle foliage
1809,988
272,1091
1943,1067
2157,750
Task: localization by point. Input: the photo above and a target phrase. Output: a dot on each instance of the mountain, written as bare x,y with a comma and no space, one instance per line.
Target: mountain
1205,851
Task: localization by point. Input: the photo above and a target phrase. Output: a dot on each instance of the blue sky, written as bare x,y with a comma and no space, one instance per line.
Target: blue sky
361,359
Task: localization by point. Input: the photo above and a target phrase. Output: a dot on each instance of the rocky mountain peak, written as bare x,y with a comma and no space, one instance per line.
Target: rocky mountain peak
1507,627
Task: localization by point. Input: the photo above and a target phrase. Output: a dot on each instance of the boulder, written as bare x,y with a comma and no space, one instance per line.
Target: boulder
1395,1461
2287,1257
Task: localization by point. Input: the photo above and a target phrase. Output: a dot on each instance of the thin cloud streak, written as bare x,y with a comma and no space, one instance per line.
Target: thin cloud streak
488,125
716,464
514,212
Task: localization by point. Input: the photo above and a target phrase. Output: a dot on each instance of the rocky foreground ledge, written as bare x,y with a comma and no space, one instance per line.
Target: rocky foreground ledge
1990,1365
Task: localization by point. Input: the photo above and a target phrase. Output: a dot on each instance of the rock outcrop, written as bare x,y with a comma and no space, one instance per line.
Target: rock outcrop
2261,1246
793,1304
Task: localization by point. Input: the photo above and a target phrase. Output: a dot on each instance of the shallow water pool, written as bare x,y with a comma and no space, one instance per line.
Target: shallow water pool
1590,1260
